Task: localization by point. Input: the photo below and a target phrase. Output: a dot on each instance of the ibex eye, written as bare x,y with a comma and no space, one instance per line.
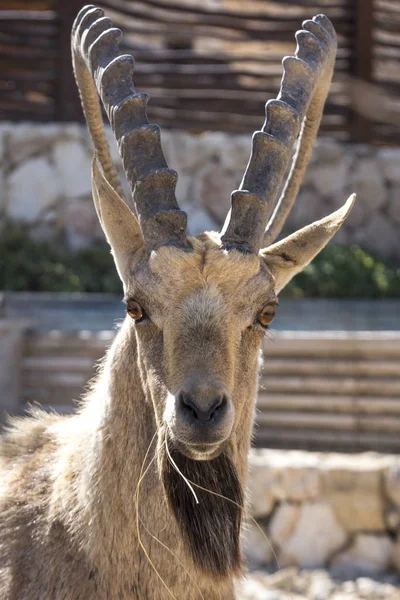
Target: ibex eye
134,310
266,314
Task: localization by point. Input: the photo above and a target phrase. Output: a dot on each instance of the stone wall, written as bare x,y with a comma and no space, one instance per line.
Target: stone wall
45,182
325,510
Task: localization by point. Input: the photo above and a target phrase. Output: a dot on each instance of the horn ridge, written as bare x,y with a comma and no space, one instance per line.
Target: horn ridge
297,108
95,47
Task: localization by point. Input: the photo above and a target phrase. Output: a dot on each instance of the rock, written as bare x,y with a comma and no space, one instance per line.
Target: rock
235,152
183,191
33,187
368,555
310,206
330,179
394,202
281,476
73,166
212,190
321,587
358,214
199,221
353,488
81,223
368,183
257,548
315,537
326,152
389,159
283,523
378,235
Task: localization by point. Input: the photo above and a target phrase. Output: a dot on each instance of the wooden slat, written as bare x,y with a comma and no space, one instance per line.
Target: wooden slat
316,366
324,403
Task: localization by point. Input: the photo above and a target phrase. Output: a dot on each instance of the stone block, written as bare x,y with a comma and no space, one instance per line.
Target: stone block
199,221
368,183
258,550
394,202
310,206
316,536
389,160
283,523
378,235
211,190
368,555
330,179
26,140
353,489
81,223
392,482
32,187
73,167
326,152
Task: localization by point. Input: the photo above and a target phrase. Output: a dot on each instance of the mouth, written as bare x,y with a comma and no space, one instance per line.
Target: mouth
198,452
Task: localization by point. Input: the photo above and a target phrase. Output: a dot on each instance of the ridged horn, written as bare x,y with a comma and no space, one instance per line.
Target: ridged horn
299,105
98,65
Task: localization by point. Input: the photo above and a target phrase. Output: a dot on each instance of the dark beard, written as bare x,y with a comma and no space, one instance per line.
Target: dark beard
210,528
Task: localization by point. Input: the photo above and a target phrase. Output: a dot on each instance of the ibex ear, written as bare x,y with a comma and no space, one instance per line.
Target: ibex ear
289,256
119,224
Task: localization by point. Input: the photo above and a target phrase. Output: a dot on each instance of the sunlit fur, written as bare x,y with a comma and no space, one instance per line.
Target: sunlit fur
68,514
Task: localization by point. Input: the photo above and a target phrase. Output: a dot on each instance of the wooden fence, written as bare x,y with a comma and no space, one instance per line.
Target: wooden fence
209,65
349,382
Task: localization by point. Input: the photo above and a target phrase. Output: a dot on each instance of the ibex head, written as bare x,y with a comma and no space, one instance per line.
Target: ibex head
199,306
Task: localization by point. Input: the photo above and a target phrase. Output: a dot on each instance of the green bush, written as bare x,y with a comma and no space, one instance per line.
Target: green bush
28,265
345,272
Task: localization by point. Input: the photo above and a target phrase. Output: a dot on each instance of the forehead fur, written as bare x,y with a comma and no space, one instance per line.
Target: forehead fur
231,272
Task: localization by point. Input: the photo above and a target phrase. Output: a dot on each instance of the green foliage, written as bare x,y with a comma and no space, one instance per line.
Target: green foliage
28,265
345,272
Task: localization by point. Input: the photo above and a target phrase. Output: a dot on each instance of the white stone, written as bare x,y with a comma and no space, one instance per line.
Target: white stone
330,179
394,202
283,523
257,548
326,151
33,187
236,152
368,183
368,554
389,159
316,536
353,488
81,223
199,221
73,166
310,206
285,476
378,235
392,482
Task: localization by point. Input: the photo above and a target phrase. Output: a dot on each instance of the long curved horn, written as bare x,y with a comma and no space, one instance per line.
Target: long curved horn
304,87
98,65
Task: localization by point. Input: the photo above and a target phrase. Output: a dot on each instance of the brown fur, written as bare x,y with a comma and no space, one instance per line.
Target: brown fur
68,513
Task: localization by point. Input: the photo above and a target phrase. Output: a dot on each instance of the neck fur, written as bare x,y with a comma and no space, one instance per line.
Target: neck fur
122,425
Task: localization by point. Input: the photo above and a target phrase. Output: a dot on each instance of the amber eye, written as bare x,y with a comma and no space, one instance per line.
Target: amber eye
134,310
266,315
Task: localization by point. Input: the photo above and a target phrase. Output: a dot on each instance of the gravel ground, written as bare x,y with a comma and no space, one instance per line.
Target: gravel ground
292,584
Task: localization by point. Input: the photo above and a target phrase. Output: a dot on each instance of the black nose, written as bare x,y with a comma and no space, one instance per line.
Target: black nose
202,409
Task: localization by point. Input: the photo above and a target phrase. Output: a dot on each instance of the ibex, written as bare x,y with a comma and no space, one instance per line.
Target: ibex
140,495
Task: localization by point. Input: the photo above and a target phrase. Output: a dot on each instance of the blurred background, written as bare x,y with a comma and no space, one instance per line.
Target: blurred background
331,377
